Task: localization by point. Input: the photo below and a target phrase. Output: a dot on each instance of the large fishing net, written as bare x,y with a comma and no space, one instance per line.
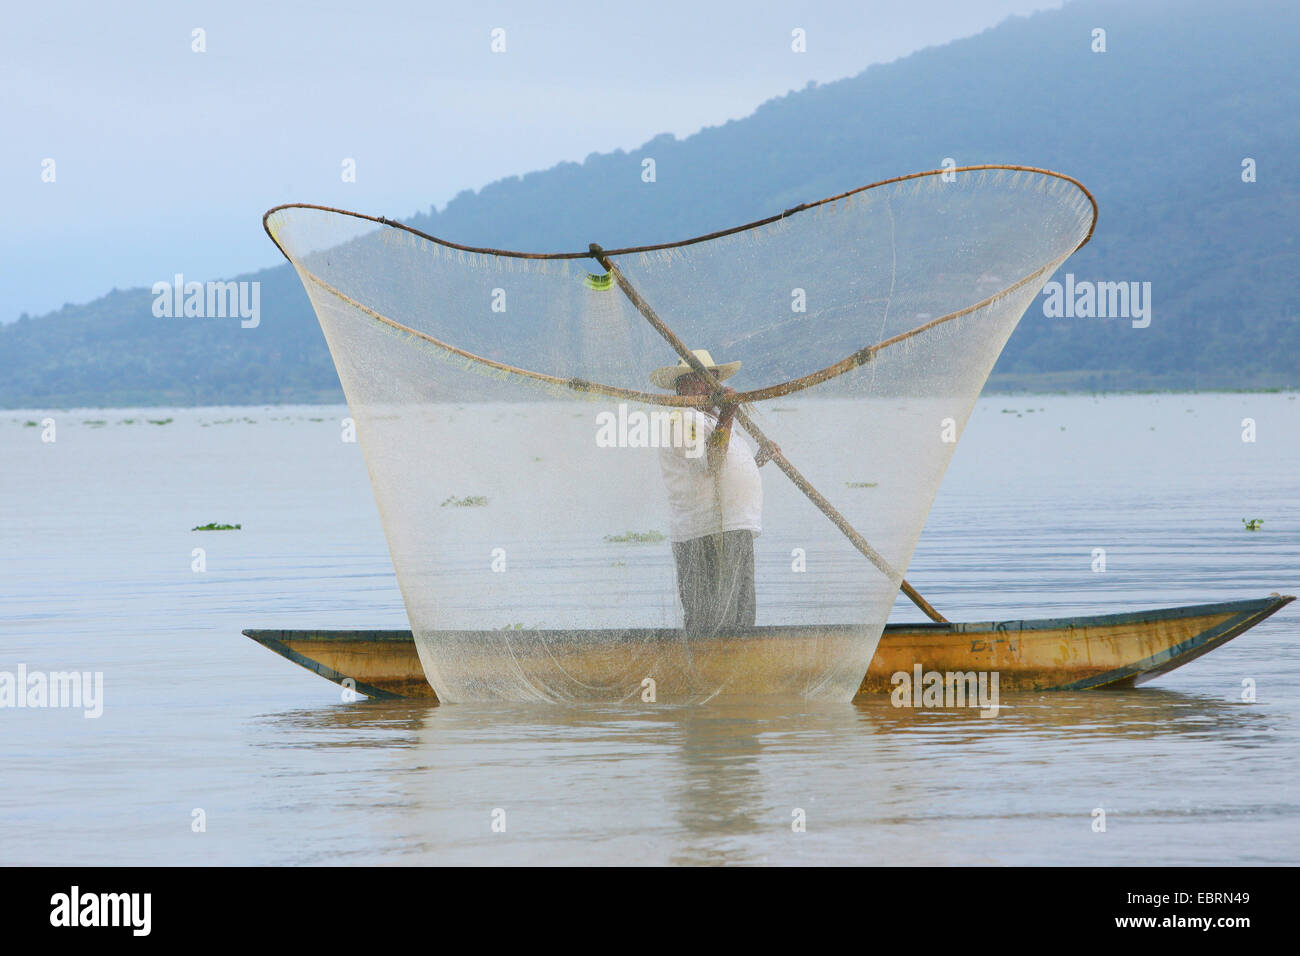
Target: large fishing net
576,509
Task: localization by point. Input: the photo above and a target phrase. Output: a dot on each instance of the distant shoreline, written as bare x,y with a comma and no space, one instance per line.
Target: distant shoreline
1082,382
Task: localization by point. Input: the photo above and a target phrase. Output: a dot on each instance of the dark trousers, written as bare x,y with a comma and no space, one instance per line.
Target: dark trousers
715,579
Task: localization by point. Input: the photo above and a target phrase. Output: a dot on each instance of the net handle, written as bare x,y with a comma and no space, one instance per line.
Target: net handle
746,422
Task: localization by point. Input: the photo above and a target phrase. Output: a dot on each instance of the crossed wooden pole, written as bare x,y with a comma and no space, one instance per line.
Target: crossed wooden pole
746,422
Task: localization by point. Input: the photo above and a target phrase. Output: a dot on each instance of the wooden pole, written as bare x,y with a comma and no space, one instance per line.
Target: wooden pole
802,483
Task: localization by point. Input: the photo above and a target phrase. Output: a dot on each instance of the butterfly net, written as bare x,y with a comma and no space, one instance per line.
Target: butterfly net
570,513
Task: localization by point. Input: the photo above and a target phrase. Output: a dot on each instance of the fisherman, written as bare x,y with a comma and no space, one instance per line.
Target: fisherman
716,501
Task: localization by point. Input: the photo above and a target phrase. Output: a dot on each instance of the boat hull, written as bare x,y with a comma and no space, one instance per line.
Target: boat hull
1108,650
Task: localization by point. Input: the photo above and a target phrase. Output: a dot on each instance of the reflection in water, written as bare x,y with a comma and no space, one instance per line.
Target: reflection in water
719,784
717,797
364,723
1141,712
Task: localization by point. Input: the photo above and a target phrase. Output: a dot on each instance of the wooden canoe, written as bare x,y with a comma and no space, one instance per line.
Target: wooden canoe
1079,653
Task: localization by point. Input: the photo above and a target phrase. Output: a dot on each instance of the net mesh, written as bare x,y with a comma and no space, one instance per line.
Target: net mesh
564,527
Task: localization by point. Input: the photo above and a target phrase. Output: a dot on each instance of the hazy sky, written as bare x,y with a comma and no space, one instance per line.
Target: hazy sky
165,159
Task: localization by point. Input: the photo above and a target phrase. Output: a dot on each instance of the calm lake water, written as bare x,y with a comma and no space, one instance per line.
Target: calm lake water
95,575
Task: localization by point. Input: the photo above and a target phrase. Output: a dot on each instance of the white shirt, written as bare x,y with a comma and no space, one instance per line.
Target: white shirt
731,499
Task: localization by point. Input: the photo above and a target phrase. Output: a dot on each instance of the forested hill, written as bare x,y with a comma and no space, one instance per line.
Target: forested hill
1157,126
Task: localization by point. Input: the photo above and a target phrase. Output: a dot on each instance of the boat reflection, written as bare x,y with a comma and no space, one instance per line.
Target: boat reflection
1131,712
723,784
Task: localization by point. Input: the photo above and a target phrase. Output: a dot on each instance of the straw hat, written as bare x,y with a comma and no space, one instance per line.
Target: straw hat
667,376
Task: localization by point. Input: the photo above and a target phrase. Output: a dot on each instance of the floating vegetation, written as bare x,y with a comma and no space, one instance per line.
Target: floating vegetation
520,626
216,526
635,537
1254,524
159,421
127,421
860,484
618,564
30,424
315,419
95,422
469,501
1009,411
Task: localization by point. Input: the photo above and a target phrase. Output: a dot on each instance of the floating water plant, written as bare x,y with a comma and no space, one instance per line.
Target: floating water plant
469,501
860,484
1254,524
635,537
215,526
159,421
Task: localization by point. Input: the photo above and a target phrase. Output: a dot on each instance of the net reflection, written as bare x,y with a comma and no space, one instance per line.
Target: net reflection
721,783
